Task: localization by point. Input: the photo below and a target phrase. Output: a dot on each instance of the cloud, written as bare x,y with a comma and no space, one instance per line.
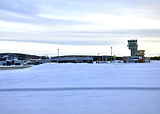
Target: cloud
83,37
19,6
72,22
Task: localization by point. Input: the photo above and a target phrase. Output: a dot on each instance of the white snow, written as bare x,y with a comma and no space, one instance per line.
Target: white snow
17,96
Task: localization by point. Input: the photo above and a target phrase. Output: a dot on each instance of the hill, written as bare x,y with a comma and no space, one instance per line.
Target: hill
20,56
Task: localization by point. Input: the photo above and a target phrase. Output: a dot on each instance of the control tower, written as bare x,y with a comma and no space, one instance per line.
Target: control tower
132,45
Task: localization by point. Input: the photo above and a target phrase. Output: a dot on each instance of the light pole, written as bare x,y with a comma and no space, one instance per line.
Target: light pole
46,56
111,54
98,57
57,54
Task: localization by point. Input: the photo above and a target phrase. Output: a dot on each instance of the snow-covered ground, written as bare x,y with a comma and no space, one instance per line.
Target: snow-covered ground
116,88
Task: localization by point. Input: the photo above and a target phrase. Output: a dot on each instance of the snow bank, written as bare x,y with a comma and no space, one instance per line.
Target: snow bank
83,75
81,101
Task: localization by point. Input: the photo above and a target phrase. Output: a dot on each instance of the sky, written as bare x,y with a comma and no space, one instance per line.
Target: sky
83,27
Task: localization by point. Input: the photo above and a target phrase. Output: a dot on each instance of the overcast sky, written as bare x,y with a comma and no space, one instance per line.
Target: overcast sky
79,26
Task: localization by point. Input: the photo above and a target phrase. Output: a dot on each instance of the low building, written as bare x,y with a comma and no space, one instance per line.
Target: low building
12,62
38,61
130,59
19,62
71,59
140,54
2,63
7,60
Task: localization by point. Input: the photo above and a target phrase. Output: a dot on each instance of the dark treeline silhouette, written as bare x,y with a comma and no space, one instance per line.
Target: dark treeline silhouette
95,58
155,58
